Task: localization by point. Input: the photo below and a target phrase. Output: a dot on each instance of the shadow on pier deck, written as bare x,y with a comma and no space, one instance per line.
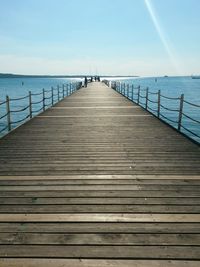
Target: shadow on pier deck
96,181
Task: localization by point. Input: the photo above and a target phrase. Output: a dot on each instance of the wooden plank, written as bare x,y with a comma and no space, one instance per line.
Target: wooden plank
102,252
100,187
100,177
95,263
97,208
96,116
95,200
100,239
102,193
100,217
38,182
101,227
96,108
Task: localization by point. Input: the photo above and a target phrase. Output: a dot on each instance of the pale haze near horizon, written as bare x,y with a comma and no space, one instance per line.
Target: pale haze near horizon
115,37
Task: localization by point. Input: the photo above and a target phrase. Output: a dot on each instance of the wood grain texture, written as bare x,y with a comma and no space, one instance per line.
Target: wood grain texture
96,181
94,263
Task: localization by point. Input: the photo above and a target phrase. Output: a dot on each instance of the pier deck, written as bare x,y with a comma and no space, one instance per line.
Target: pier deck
98,181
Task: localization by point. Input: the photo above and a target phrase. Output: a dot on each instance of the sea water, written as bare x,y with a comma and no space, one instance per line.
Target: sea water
170,86
20,87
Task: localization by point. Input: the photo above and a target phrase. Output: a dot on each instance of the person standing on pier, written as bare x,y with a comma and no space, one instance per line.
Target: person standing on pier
85,82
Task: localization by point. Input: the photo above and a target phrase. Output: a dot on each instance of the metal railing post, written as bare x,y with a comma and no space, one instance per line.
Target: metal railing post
43,100
180,112
138,100
63,87
8,113
132,92
30,105
147,98
58,92
127,95
52,96
158,114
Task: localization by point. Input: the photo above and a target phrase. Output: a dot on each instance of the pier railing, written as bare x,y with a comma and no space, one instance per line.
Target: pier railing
13,114
161,106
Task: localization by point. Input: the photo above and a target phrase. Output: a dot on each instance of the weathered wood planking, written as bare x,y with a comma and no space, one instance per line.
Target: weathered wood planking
95,181
95,263
79,137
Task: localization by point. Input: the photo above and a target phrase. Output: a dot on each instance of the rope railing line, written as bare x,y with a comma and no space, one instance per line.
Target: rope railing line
142,103
192,104
168,118
47,91
141,89
46,98
193,133
170,98
48,105
152,109
55,89
141,96
55,95
4,129
48,95
134,100
36,94
152,101
19,110
38,110
169,109
14,122
3,103
4,116
20,98
192,119
38,102
61,92
120,88
152,93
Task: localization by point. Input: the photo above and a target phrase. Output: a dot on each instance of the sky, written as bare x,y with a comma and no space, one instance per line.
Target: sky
103,37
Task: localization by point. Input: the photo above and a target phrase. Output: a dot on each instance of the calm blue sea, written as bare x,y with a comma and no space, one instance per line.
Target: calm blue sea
169,86
173,87
18,87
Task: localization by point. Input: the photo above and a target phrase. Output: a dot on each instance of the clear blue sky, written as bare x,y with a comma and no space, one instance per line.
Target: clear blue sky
141,37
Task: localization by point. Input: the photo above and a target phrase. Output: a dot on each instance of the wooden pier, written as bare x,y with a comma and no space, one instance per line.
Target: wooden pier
96,181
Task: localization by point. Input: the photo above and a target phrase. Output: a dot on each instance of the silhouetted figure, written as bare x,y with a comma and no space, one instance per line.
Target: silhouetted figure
91,79
22,83
85,82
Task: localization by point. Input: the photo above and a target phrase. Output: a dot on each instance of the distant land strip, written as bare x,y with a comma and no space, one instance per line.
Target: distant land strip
10,75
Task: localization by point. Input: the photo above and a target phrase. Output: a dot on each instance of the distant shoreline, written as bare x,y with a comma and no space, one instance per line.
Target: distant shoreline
9,75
